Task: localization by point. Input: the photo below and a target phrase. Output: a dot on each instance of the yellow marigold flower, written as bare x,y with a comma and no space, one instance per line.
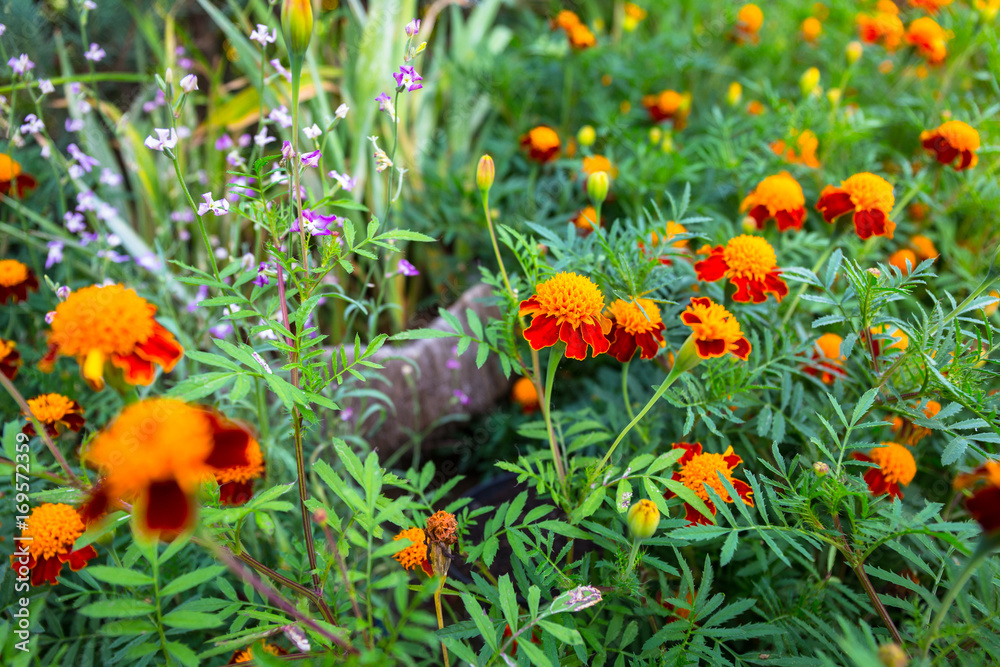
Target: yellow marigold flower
853,52
779,197
567,307
246,655
16,280
698,469
13,179
54,412
811,28
868,197
748,22
586,220
525,394
10,358
896,467
951,141
634,14
643,518
158,452
901,257
930,6
635,325
715,330
827,361
749,263
542,144
595,163
930,39
442,527
734,93
668,105
111,323
416,553
51,531
236,482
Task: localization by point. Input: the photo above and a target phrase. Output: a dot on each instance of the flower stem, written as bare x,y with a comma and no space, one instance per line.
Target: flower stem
496,248
546,402
633,554
440,618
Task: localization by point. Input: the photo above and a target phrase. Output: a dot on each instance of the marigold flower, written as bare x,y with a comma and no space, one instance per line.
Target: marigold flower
697,469
868,197
748,22
13,179
643,519
236,482
930,39
988,310
887,6
755,108
158,452
16,280
930,6
55,412
984,503
416,553
111,323
565,20
827,361
635,325
246,655
779,197
442,527
884,27
542,144
51,531
586,220
668,105
634,14
525,394
951,141
595,163
734,93
853,52
900,341
901,257
715,330
10,358
811,29
988,9
580,37
749,263
567,307
670,231
923,247
896,467
909,433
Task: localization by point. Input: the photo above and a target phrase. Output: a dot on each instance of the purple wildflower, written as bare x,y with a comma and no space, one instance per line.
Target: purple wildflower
408,79
407,269
55,254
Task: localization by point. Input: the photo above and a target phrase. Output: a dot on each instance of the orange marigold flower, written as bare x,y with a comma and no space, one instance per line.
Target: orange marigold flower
542,144
634,14
779,197
900,341
896,467
887,6
755,108
671,230
16,280
811,28
580,37
157,453
930,39
748,22
13,179
901,257
246,655
416,553
635,325
749,263
525,394
442,527
923,247
55,412
698,470
567,307
951,141
10,358
668,105
236,482
868,197
884,27
565,20
984,503
909,433
930,6
111,323
586,220
827,361
47,543
715,330
595,163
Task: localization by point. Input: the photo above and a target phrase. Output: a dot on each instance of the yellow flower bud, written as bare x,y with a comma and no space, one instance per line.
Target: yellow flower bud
655,135
809,80
833,95
735,93
643,518
821,469
668,143
297,24
485,173
749,225
586,136
853,52
891,655
597,187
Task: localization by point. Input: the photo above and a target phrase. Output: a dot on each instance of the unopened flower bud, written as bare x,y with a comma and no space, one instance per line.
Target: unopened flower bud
833,95
597,187
643,518
735,93
587,135
809,80
485,173
63,292
853,52
821,469
655,135
749,224
892,655
297,24
189,83
875,272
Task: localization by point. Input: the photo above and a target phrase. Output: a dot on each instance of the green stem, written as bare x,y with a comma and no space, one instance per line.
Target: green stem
554,358
802,288
496,248
199,218
633,554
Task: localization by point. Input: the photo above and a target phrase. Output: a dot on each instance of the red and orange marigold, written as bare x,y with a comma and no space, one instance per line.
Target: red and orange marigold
827,361
882,27
13,179
909,433
99,324
525,394
542,144
896,468
698,470
635,325
567,307
10,358
930,6
984,503
54,412
236,482
951,141
749,263
48,538
867,197
714,329
16,280
806,142
930,39
668,105
779,197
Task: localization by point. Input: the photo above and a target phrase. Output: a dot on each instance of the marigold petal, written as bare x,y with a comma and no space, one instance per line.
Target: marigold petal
623,346
594,335
708,349
713,267
542,332
789,219
165,510
93,369
161,348
741,349
576,346
135,369
833,203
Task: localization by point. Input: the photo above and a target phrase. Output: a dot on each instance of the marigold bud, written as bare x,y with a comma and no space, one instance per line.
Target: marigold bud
735,93
891,655
485,173
749,224
643,518
597,187
587,135
833,95
821,469
655,135
875,272
809,80
853,52
297,24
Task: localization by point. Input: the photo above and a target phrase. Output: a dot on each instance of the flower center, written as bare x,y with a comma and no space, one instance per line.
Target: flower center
716,323
959,135
869,192
704,469
50,408
53,528
12,272
636,317
111,319
749,257
780,193
896,462
570,298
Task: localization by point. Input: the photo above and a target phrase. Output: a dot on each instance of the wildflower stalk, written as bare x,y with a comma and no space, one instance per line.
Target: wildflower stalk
194,207
493,238
546,401
440,617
